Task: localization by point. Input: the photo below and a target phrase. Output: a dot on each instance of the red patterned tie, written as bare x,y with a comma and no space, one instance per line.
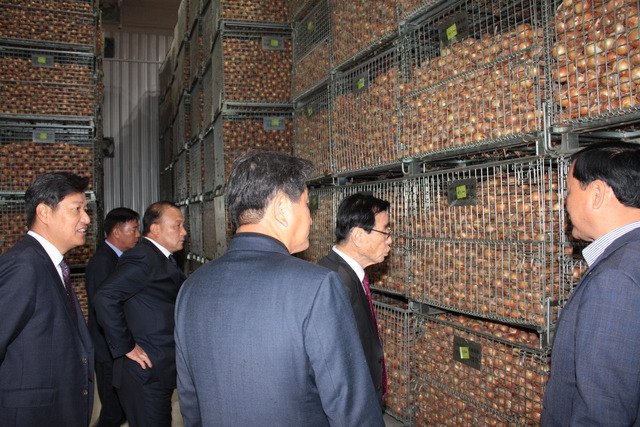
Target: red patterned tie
66,276
365,283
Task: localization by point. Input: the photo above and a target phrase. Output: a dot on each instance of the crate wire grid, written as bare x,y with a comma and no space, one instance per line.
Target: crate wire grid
510,379
195,53
359,26
181,79
250,12
213,163
196,118
166,184
322,230
207,28
27,151
312,137
364,115
195,229
196,166
181,126
595,58
166,147
181,177
311,48
396,329
410,9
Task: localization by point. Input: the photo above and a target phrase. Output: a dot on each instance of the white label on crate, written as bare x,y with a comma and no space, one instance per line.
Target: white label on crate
44,136
42,60
274,123
272,43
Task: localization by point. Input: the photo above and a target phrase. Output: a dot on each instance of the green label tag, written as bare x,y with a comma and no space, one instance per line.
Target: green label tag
43,135
275,42
461,192
360,83
42,59
309,111
310,25
275,122
452,31
464,352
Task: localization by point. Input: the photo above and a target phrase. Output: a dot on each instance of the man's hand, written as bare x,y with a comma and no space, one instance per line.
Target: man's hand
138,355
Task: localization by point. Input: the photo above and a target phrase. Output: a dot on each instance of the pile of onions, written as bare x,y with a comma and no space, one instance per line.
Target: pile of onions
255,10
312,69
312,139
511,379
597,57
321,232
364,124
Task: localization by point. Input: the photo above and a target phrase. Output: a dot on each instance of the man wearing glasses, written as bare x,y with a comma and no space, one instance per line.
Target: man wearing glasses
363,238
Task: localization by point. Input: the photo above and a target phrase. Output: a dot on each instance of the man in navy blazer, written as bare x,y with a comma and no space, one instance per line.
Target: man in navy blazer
46,354
264,338
122,230
135,306
595,366
363,239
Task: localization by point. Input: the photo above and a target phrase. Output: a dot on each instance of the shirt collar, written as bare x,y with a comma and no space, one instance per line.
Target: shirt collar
164,250
357,268
116,250
595,249
52,251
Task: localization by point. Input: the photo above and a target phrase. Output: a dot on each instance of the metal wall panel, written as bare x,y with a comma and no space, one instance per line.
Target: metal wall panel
131,177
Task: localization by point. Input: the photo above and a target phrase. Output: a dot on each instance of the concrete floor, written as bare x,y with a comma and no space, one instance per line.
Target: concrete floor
177,418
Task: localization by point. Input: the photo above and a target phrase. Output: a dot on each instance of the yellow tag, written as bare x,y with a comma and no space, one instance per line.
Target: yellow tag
310,25
461,192
360,83
43,135
452,31
42,59
275,42
464,352
275,122
309,111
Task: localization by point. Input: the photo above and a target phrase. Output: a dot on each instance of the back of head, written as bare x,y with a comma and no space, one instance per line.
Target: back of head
358,210
257,177
118,216
51,189
615,163
153,213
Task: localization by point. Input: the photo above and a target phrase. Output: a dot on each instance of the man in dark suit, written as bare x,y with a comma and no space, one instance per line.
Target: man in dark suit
264,338
46,354
595,366
363,239
122,230
135,307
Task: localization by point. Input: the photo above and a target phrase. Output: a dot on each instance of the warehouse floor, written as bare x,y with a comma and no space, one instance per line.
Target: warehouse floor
177,418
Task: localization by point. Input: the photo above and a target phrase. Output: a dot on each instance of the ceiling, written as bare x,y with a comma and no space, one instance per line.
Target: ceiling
147,16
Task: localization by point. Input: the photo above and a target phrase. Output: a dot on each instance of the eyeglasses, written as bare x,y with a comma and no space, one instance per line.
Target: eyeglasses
386,233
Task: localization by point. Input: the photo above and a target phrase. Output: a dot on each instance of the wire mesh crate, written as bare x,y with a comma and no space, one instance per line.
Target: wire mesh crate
595,60
195,53
396,331
13,223
214,221
208,26
181,126
68,24
27,151
409,10
251,11
208,113
321,232
213,163
238,131
311,48
181,82
297,7
79,287
196,108
166,147
390,275
166,184
196,168
181,30
364,115
515,200
165,114
195,228
46,82
359,26
165,77
502,375
181,177
250,65
194,16
312,137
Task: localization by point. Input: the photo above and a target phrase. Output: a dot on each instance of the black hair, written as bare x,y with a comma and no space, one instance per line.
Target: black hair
615,163
118,216
153,214
358,210
51,189
256,178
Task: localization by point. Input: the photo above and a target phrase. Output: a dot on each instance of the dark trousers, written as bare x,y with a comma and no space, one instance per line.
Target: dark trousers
146,404
111,413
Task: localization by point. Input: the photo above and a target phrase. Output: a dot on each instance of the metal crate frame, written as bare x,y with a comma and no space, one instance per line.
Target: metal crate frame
195,53
364,115
312,135
506,369
181,177
196,118
196,166
166,184
409,10
28,150
181,126
181,82
196,229
250,12
321,232
214,222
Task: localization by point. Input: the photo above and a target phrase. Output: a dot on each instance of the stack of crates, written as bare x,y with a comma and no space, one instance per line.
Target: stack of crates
50,100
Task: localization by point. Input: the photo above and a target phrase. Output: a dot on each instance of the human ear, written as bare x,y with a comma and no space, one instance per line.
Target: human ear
281,208
43,212
600,192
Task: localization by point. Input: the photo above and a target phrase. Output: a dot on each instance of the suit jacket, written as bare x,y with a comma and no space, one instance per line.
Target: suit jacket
595,367
101,265
135,305
46,358
264,339
367,328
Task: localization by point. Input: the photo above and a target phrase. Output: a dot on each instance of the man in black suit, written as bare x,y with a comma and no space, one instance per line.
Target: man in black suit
46,354
363,238
135,307
122,230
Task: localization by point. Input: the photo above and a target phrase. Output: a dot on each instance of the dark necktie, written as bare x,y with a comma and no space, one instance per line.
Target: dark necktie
365,283
173,260
66,278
